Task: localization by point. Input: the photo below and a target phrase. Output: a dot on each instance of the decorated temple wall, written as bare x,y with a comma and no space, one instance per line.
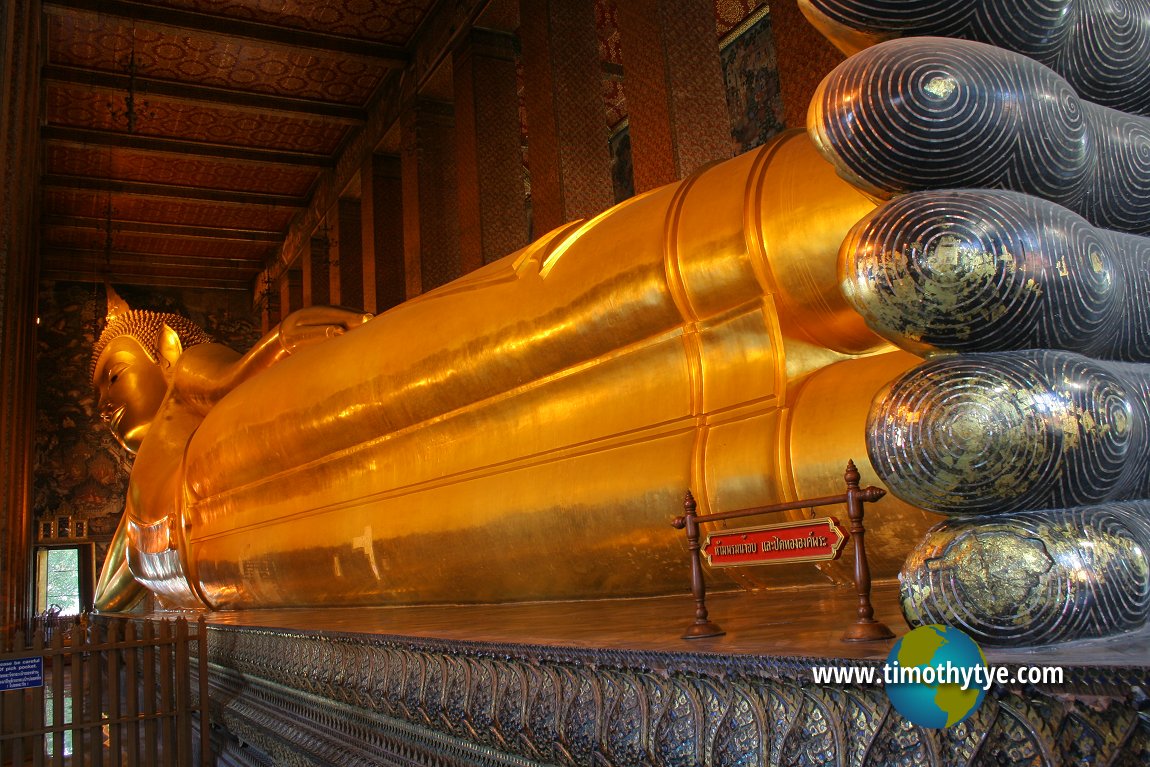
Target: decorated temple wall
755,105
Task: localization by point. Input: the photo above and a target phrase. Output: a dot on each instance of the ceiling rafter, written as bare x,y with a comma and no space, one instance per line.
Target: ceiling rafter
207,94
180,278
180,231
147,189
64,261
389,55
94,137
88,258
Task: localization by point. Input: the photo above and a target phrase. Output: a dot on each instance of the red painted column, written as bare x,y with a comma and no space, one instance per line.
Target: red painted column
804,58
269,306
291,291
20,35
430,208
383,232
381,198
492,208
316,271
567,150
673,80
347,254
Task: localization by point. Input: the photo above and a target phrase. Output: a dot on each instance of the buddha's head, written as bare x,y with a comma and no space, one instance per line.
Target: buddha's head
132,366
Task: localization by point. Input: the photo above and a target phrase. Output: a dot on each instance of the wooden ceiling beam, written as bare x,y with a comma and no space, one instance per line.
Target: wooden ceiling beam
181,280
92,260
188,92
165,230
227,26
174,146
146,189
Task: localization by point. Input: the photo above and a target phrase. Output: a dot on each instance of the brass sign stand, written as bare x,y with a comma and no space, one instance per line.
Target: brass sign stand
864,629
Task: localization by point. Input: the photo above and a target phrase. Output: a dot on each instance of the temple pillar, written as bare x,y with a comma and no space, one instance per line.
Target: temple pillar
568,155
347,255
269,304
676,97
291,291
381,200
19,131
316,270
492,212
430,210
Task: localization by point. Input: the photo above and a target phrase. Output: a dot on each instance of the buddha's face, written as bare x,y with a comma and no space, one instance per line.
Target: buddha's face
131,387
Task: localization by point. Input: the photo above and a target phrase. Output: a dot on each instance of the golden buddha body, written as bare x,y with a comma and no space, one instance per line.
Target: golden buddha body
528,431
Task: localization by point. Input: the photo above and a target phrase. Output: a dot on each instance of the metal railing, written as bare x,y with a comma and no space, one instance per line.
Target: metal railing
864,629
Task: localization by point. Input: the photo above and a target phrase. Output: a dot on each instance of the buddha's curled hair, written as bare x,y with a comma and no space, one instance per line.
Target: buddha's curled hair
145,326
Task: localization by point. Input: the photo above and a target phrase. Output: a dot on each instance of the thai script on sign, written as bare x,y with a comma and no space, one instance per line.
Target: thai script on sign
802,541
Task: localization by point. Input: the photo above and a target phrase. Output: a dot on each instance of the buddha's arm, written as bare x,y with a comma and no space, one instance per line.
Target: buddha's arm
117,590
208,372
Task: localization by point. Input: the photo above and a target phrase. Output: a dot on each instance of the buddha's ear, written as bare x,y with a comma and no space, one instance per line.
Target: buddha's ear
170,348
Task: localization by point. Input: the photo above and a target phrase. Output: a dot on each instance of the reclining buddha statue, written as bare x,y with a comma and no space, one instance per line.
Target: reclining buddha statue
527,431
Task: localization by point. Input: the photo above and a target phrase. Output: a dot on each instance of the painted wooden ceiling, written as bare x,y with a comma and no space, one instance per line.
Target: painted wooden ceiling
181,138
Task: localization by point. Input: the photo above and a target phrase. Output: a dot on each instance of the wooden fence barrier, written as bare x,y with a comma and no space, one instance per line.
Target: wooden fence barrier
109,695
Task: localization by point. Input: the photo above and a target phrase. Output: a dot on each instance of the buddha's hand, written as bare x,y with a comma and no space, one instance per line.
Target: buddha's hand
312,324
1013,256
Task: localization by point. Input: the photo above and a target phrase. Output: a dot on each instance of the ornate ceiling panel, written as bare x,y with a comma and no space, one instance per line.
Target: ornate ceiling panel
94,240
195,130
124,46
107,110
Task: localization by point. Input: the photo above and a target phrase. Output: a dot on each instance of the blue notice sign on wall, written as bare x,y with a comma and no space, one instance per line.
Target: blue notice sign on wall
21,672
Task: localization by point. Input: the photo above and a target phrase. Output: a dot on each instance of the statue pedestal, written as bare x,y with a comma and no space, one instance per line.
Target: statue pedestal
612,683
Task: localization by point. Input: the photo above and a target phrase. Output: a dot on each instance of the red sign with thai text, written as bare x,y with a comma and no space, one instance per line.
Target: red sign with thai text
809,540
